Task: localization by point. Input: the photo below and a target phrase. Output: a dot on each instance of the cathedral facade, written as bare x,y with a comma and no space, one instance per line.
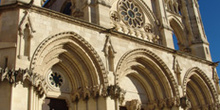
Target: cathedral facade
105,55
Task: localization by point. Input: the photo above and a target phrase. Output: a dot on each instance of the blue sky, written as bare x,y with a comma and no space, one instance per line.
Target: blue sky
210,12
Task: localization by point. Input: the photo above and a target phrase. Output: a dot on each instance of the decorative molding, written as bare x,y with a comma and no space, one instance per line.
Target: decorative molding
94,55
133,105
108,45
163,103
198,71
26,19
25,31
215,75
114,16
85,93
116,92
157,60
21,76
177,69
109,53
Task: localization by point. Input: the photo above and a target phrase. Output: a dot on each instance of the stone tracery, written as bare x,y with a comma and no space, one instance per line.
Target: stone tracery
131,13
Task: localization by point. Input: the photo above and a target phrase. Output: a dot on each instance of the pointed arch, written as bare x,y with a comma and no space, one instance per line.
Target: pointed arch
199,89
67,7
178,30
73,55
151,72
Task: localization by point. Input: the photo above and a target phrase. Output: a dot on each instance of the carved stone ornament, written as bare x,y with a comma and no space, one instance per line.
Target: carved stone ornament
177,69
108,46
114,16
55,79
133,105
89,91
185,103
115,92
21,75
130,13
215,76
25,31
148,28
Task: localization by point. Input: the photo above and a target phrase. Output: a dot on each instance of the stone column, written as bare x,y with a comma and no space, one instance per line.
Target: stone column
26,89
103,15
165,30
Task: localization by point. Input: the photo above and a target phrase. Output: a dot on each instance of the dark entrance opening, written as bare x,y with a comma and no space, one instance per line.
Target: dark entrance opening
54,104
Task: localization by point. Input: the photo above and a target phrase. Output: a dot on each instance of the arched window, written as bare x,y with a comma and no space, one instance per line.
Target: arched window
175,42
67,8
178,34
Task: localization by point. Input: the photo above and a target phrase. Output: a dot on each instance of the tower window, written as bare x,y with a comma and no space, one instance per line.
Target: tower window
207,51
175,42
67,8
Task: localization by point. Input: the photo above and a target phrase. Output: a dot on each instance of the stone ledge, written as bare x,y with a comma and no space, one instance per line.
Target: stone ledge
6,45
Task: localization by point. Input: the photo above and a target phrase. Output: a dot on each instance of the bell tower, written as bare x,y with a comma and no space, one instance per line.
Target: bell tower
198,44
182,19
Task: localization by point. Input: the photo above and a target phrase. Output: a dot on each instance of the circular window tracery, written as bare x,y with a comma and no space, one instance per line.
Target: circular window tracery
130,13
55,79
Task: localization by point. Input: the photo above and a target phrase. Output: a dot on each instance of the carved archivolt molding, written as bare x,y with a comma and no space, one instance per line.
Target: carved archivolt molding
153,57
157,60
21,76
71,35
198,71
112,91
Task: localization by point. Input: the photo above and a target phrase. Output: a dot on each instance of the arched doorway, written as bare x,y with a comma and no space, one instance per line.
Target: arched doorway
72,70
145,78
199,90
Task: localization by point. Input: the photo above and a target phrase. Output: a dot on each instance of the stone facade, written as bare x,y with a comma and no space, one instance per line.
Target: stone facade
105,55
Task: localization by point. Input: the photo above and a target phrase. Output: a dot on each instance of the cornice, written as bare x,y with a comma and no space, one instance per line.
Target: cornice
79,22
21,76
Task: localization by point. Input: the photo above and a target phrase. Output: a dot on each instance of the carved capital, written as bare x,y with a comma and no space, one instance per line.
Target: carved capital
185,103
22,75
115,92
133,105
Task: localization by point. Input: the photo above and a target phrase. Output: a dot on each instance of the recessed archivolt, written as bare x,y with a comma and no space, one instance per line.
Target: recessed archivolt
68,48
197,86
151,71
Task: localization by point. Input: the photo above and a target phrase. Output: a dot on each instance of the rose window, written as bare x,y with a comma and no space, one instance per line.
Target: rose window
55,79
131,14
